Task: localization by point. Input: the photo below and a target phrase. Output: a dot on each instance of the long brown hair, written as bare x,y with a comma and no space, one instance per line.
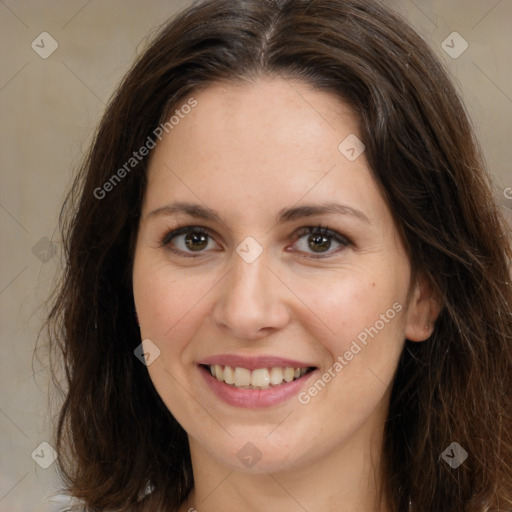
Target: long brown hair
115,435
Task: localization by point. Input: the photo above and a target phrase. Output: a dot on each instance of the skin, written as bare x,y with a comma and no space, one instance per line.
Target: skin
247,151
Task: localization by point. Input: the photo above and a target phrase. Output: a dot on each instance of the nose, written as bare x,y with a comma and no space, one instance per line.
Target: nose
251,301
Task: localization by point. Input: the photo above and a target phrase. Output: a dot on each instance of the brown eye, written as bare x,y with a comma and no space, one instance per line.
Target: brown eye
319,243
188,240
196,241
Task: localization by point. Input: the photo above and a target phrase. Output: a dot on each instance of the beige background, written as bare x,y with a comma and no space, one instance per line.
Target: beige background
50,108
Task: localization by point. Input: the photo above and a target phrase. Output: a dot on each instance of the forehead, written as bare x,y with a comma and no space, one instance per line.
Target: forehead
249,115
261,144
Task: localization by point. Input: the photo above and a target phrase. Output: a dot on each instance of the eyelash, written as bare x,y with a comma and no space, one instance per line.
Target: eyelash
300,233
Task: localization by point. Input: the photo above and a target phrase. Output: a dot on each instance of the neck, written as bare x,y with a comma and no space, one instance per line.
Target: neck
348,479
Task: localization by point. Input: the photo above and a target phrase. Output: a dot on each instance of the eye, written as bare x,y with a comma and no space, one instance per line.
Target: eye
316,241
189,239
319,242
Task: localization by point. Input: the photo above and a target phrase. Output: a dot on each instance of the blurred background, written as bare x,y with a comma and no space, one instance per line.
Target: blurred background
61,61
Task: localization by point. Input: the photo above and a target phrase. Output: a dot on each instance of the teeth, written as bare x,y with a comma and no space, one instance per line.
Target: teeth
288,374
261,378
242,377
229,375
276,376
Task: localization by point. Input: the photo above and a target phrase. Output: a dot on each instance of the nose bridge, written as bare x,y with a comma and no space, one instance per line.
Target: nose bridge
250,302
248,283
250,279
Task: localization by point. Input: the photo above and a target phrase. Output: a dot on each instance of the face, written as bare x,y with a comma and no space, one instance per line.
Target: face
266,253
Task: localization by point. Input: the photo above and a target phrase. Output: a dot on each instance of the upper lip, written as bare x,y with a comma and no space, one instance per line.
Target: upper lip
253,362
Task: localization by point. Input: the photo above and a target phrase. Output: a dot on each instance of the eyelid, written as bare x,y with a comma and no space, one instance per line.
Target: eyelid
184,230
295,236
321,230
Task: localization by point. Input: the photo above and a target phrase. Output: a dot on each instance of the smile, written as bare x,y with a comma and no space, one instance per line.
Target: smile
255,382
260,378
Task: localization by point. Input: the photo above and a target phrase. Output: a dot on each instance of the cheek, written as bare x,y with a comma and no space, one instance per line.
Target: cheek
362,335
355,307
170,308
169,303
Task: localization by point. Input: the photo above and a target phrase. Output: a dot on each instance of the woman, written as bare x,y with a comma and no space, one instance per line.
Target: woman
287,279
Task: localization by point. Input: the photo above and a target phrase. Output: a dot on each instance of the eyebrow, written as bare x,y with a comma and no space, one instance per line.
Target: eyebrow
299,212
285,215
194,210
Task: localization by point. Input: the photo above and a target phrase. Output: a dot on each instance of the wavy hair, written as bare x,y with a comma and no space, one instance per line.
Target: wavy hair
115,435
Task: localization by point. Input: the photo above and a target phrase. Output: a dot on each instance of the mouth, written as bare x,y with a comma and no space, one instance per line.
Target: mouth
255,382
256,379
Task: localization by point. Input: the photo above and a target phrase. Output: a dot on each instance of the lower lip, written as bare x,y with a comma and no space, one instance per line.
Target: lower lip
254,398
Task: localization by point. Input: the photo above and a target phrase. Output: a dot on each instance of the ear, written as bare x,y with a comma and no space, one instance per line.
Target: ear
424,308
